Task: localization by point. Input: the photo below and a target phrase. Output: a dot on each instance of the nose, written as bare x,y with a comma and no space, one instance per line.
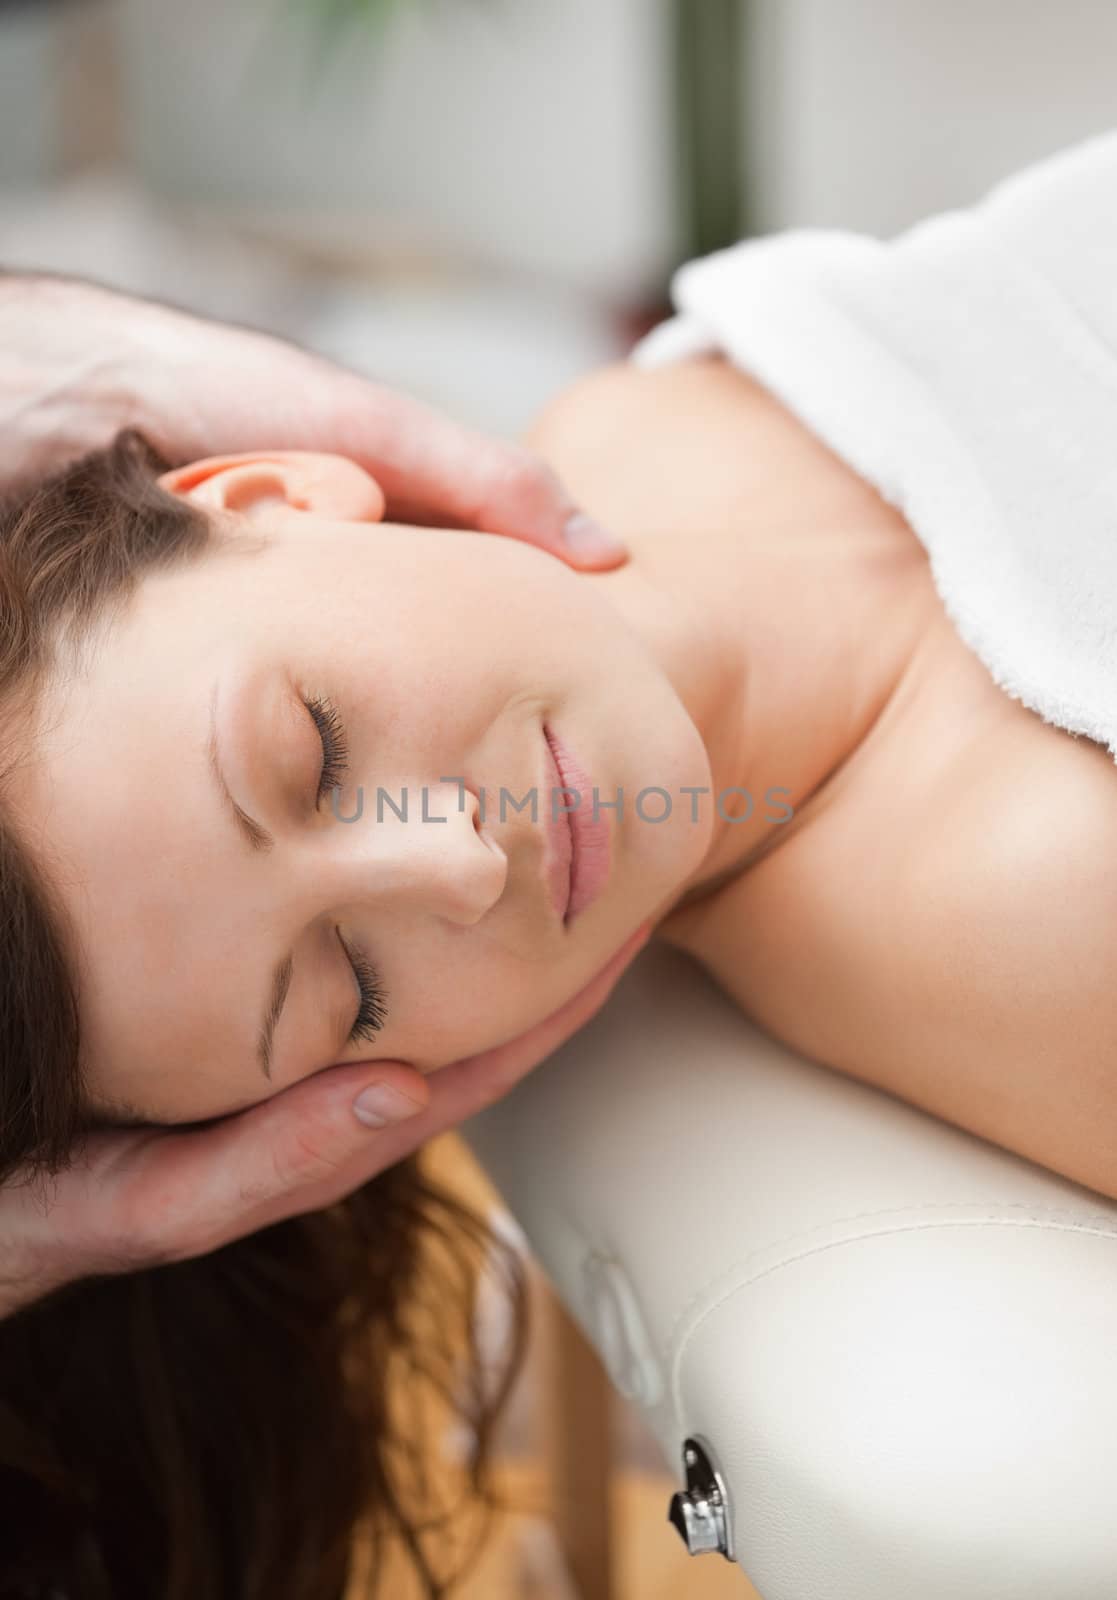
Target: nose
420,847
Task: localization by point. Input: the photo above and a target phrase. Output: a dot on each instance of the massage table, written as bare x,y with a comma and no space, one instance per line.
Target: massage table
878,1353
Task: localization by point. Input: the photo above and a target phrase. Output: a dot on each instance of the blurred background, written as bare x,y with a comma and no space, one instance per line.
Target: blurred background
477,200
481,198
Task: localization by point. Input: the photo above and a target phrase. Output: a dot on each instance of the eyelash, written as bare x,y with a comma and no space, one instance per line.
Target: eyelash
335,751
371,1012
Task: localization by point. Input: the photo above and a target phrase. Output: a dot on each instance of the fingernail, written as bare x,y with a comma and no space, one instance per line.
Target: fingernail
380,1104
588,538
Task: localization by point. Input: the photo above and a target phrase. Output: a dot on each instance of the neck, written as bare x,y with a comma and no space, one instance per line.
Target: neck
784,639
781,595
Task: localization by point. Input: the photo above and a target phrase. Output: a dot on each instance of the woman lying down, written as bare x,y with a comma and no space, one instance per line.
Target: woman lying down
281,793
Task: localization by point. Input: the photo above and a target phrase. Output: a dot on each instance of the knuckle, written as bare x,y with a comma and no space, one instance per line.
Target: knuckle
515,474
142,1240
150,1221
514,466
310,1154
147,1234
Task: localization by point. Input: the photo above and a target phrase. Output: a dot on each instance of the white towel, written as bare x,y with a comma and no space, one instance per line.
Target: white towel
968,370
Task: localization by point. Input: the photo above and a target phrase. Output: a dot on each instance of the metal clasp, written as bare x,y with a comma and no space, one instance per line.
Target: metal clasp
700,1512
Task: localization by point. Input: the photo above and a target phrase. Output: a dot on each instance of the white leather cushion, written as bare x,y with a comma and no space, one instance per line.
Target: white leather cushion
900,1340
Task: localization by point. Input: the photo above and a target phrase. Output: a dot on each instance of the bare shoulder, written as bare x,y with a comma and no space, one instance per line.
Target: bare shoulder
943,922
692,443
631,443
615,397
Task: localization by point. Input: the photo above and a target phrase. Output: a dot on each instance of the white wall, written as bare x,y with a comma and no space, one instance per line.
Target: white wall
29,132
537,134
869,114
533,133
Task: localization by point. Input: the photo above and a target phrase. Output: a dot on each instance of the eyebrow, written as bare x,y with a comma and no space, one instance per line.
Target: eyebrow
257,838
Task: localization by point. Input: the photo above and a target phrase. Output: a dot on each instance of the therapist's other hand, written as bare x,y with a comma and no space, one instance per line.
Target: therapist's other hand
78,362
142,1197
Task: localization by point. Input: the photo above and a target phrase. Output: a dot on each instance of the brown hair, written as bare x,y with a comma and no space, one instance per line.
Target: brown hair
220,1428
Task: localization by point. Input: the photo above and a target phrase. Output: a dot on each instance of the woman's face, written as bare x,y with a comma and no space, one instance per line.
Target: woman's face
180,796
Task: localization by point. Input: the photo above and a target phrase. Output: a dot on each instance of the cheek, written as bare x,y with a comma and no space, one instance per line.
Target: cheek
442,627
454,1001
456,1006
500,599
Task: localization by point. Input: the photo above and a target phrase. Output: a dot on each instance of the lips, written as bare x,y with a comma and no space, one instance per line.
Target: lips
583,859
559,836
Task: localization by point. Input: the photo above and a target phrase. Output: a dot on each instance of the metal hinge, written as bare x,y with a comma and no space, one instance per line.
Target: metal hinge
700,1512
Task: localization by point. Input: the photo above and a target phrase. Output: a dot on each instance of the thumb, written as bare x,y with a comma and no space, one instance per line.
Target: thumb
298,1151
515,493
433,469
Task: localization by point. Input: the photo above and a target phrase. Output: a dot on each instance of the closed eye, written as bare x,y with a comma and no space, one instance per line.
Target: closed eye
335,750
371,1012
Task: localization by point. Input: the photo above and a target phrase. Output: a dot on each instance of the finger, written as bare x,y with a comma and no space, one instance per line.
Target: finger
505,489
169,1196
295,1152
431,467
464,1087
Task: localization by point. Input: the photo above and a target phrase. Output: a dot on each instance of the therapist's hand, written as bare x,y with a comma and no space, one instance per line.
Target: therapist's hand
78,362
141,1197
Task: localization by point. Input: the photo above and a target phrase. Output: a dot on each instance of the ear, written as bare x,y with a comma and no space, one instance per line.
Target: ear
281,482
